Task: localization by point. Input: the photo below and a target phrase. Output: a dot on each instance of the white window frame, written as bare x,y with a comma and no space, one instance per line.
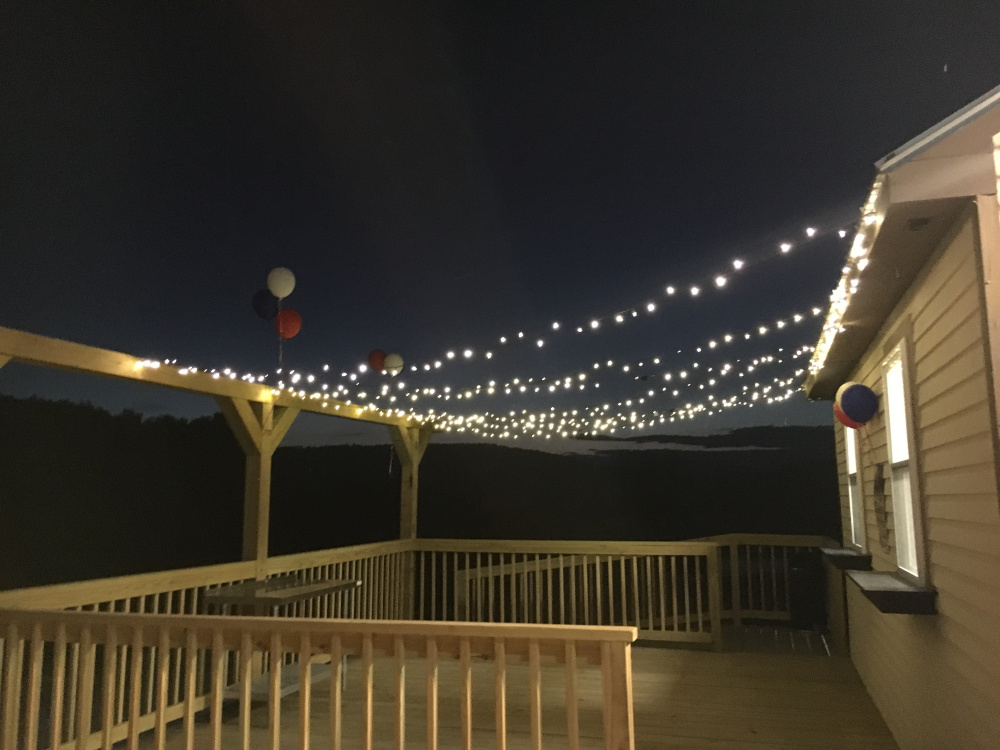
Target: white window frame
907,518
855,497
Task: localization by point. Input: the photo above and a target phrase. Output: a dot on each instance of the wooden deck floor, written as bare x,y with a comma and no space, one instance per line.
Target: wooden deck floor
683,699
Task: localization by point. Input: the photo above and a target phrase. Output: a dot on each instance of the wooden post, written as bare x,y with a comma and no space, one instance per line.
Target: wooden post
715,596
410,444
259,429
616,683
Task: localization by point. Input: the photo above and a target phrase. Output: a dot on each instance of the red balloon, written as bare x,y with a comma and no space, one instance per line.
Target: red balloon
843,418
287,323
376,358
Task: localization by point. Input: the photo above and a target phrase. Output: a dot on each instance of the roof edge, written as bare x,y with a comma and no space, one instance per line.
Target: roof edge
928,138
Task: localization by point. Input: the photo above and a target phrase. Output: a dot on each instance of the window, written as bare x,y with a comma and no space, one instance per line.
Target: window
905,517
854,496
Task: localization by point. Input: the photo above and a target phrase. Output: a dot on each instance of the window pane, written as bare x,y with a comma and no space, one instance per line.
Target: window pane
852,459
902,520
857,512
899,447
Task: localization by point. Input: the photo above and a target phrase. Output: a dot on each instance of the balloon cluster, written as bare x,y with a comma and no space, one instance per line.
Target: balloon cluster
382,362
855,404
267,303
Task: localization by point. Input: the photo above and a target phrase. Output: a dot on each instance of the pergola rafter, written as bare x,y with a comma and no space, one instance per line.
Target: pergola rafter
259,416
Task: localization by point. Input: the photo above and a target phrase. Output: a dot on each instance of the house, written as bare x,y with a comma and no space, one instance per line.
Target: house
916,318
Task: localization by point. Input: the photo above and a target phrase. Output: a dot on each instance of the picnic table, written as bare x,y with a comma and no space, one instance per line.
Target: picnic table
260,597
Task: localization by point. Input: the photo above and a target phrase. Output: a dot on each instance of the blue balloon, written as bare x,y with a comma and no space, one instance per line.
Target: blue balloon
265,304
859,403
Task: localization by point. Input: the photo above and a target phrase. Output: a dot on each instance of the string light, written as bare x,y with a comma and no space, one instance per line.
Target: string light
872,215
717,281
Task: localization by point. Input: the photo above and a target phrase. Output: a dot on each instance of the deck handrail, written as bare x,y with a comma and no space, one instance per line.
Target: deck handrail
101,590
154,669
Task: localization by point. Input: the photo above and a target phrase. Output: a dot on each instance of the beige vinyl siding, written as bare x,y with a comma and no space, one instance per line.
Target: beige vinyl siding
936,679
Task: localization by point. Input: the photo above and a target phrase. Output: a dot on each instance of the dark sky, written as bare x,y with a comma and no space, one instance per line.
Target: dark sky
440,174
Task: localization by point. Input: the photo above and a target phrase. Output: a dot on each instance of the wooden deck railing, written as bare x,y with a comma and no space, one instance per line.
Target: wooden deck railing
667,590
382,568
755,573
129,665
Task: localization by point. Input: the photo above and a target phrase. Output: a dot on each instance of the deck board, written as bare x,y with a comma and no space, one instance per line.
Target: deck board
683,699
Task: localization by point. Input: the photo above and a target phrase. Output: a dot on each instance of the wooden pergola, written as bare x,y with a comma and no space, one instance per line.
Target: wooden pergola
259,415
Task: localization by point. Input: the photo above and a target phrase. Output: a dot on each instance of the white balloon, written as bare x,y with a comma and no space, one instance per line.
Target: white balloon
393,364
281,282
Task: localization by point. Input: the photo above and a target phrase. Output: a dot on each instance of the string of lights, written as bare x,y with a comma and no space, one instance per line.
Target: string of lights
872,215
596,421
539,337
580,379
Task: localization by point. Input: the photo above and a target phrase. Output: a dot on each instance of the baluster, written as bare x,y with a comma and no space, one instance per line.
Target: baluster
585,586
468,611
175,690
305,688
538,589
479,587
513,587
454,587
85,688
649,593
502,582
749,569
635,591
423,575
572,590
433,609
673,589
73,683
108,686
432,695
572,711
190,678
535,691
120,682
687,594
624,596
562,592
597,589
135,688
274,693
58,686
489,572
500,692
663,593
400,653
336,687
465,656
697,592
246,676
34,687
14,653
368,669
219,661
162,684
548,576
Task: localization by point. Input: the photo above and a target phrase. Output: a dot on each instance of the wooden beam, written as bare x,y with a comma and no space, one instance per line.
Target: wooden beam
43,351
410,444
259,429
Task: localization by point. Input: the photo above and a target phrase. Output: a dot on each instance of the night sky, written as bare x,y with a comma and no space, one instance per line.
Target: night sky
438,175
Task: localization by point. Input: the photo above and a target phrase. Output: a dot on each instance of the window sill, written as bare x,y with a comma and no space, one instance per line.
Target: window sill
892,595
847,559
